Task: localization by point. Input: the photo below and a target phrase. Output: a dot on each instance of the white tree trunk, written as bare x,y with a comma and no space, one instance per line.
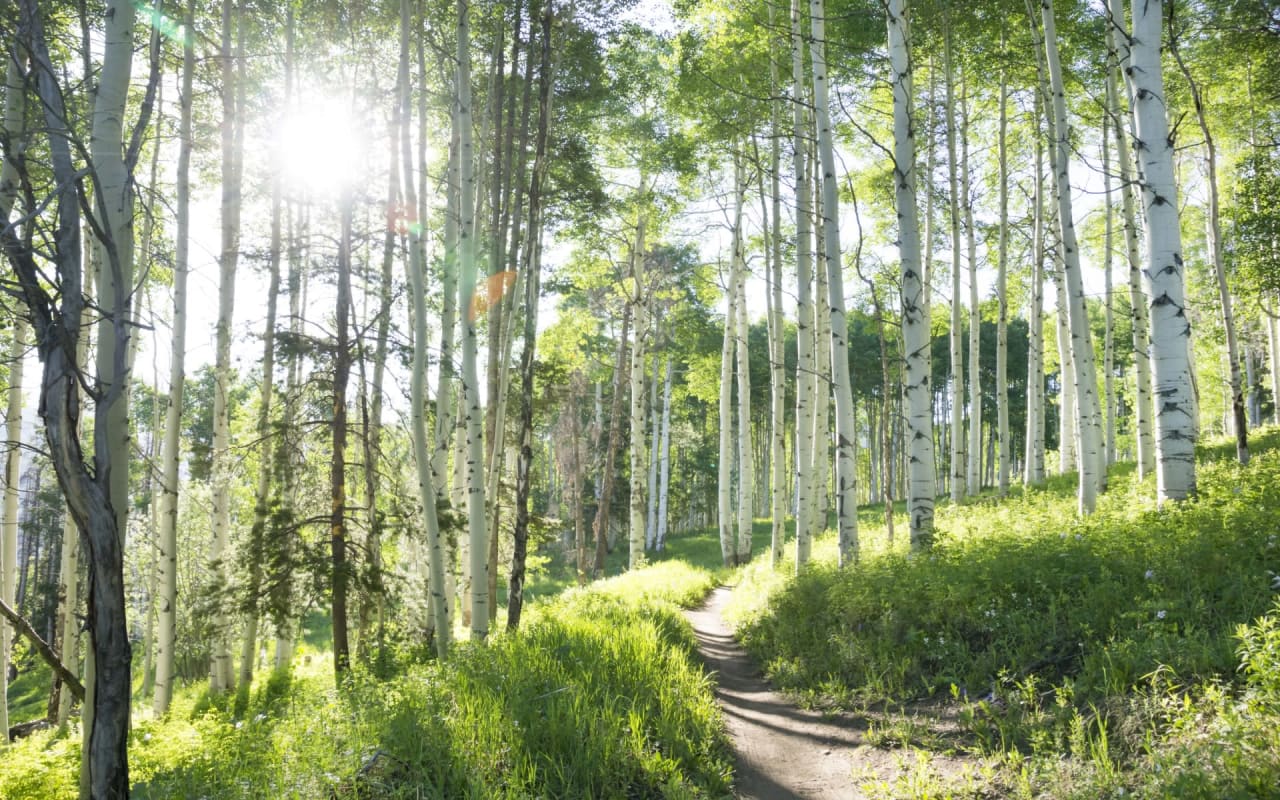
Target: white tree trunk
846,423
9,526
655,437
1273,332
777,352
469,311
915,317
14,130
746,467
664,459
635,538
820,466
1170,329
724,472
1119,50
973,471
220,668
805,445
167,537
1108,343
1034,467
957,355
1089,434
1002,324
438,604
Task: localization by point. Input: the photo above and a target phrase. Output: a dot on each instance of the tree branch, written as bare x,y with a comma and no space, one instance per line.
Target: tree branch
45,651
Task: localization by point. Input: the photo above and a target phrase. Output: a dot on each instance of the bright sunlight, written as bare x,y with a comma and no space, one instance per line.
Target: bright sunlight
320,148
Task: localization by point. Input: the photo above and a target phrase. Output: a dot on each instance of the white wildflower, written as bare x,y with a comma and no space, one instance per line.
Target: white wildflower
1160,614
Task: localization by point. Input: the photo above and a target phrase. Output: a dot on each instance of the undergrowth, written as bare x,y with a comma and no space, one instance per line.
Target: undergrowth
598,695
1135,652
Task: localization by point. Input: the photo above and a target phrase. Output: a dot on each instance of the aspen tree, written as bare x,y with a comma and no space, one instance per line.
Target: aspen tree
738,278
1217,255
472,416
664,457
1118,50
602,520
777,351
805,445
958,474
438,604
845,422
655,436
639,299
1034,468
921,479
220,667
532,272
1088,430
1108,343
97,498
1175,435
973,478
1002,294
167,537
724,482
14,130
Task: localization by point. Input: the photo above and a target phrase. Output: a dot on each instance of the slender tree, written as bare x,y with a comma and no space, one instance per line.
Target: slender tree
1175,435
846,422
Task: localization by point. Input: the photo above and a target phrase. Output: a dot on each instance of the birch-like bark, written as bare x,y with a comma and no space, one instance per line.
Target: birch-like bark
603,514
1034,468
220,667
1273,341
473,417
805,446
957,355
1175,436
724,473
9,526
664,458
845,422
655,437
746,468
973,462
1118,47
1089,434
777,344
14,130
639,300
1002,323
167,537
917,392
821,464
1108,342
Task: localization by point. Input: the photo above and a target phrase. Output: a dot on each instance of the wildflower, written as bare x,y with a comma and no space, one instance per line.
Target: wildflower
1160,614
990,612
1151,573
239,724
1275,580
1079,537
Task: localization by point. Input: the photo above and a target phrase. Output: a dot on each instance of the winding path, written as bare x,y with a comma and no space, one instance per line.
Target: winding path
782,751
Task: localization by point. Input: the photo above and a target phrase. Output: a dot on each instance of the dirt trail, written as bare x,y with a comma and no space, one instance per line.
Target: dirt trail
783,751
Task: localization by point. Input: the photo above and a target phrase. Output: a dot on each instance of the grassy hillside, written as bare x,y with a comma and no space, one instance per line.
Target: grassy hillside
1126,654
599,695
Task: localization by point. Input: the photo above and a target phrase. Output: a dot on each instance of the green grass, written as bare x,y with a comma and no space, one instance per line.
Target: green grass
1093,655
599,695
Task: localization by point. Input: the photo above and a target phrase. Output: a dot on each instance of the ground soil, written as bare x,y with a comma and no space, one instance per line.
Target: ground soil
783,751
